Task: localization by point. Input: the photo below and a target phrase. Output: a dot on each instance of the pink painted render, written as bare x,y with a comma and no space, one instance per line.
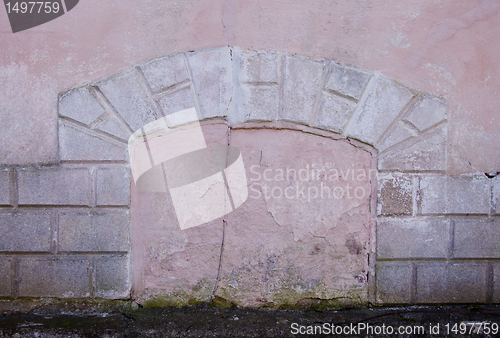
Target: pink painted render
75,88
448,48
303,233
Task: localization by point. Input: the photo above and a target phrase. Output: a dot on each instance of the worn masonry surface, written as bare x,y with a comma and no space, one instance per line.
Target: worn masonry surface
415,234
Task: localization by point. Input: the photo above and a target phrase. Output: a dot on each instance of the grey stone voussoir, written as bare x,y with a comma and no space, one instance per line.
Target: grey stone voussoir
303,82
426,152
346,80
258,102
113,126
334,112
257,67
211,77
382,106
398,134
177,100
257,77
428,112
128,95
77,143
80,104
165,72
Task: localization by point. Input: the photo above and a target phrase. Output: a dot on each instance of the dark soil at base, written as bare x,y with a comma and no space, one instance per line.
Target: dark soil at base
204,321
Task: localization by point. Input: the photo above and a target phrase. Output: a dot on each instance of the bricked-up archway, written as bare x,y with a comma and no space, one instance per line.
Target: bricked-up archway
429,225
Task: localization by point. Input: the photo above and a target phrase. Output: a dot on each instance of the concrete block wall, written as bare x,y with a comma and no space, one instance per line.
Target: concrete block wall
442,239
64,229
436,235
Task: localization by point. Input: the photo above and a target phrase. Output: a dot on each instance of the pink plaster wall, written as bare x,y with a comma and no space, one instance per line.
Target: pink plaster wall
446,47
304,232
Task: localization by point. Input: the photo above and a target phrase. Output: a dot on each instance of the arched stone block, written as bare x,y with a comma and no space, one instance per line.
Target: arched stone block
242,86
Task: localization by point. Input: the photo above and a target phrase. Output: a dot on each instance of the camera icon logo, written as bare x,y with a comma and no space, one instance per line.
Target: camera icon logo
204,183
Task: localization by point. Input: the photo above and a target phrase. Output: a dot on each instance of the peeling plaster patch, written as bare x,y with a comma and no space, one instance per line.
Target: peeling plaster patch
271,211
277,249
444,78
169,243
39,55
399,39
308,218
393,37
354,247
436,70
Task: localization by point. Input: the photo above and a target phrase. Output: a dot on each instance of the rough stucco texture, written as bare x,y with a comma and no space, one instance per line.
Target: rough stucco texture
448,48
444,48
279,250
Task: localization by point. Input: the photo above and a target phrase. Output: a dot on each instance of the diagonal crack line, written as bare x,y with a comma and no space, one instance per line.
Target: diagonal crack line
224,221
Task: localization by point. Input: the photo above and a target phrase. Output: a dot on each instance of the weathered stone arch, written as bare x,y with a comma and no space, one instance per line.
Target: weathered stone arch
245,86
405,130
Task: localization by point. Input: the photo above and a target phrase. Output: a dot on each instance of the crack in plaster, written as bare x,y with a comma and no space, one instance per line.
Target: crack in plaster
224,221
